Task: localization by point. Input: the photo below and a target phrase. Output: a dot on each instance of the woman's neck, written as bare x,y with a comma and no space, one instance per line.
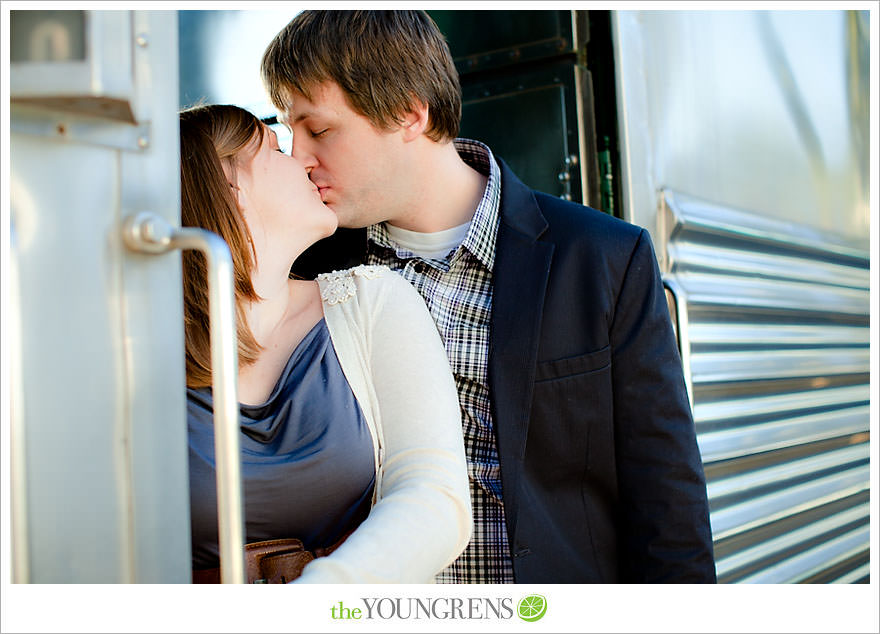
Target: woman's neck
288,311
275,303
279,299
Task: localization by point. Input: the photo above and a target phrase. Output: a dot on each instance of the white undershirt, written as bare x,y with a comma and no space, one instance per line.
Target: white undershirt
430,246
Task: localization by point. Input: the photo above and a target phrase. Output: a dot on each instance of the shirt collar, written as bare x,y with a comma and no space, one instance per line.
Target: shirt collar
482,234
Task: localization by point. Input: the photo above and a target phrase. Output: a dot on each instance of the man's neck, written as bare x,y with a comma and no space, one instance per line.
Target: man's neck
447,191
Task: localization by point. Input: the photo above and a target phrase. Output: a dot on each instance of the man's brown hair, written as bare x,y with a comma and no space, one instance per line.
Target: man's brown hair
382,61
211,138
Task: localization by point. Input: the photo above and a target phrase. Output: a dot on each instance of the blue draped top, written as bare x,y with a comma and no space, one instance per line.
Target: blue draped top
307,456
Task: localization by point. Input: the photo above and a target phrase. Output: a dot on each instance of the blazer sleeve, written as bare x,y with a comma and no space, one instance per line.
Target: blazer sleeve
422,518
666,535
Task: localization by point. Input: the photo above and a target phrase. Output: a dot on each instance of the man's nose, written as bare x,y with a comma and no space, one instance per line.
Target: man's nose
302,153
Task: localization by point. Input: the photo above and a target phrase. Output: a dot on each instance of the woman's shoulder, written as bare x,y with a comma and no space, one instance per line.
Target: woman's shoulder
340,286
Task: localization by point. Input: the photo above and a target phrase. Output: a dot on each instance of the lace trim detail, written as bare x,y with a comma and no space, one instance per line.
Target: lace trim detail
339,285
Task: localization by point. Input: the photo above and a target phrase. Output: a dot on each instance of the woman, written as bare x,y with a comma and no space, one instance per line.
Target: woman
349,413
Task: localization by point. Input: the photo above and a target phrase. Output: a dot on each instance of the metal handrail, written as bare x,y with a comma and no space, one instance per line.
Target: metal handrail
682,332
147,232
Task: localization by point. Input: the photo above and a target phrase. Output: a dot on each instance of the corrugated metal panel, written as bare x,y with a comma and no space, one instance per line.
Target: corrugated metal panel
774,331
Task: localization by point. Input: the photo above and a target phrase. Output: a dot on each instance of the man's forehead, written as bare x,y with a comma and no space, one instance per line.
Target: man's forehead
291,117
293,106
321,100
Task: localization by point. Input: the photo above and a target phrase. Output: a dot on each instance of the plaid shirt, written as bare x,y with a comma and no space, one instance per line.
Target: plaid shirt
458,292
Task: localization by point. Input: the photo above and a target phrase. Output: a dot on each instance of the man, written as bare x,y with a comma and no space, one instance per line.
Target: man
582,455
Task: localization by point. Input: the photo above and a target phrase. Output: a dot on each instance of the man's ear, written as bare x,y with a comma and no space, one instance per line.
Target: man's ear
415,121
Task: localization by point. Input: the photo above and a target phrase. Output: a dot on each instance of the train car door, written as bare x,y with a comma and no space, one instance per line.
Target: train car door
99,451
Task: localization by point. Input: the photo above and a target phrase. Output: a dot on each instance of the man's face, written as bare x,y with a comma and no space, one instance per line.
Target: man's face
356,166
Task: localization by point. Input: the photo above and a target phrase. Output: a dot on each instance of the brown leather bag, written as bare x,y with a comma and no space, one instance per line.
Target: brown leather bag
275,561
271,561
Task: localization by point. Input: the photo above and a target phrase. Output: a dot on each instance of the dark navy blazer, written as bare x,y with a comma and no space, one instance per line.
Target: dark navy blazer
600,469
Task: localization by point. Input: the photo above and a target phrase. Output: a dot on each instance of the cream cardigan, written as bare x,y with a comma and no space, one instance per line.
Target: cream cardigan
391,354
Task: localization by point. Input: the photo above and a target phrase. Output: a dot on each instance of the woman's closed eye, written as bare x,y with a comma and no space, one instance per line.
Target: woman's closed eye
318,133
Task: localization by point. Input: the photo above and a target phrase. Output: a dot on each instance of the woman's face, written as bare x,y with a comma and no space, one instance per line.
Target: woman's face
280,204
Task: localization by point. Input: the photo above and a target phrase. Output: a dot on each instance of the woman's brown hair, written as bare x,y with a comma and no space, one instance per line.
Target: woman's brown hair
211,138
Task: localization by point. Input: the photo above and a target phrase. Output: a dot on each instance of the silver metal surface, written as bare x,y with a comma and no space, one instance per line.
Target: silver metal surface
17,449
709,412
102,84
148,233
751,557
584,154
692,256
812,561
778,475
776,348
708,334
102,403
725,293
72,128
857,575
753,110
743,148
714,367
72,368
764,509
745,440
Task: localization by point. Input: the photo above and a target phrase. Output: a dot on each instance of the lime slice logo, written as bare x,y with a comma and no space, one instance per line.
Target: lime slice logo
532,607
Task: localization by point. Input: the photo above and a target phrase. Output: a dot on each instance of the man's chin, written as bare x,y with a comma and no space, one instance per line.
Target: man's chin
350,223
347,218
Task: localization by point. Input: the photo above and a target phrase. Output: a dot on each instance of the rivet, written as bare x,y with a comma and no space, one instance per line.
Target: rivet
142,40
143,142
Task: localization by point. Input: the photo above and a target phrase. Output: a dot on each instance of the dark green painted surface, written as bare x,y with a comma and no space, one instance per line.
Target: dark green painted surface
517,71
527,123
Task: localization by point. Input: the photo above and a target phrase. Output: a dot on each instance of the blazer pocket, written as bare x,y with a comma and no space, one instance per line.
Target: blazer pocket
572,366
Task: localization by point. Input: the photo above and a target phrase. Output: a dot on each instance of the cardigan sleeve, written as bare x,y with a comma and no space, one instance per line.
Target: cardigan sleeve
422,517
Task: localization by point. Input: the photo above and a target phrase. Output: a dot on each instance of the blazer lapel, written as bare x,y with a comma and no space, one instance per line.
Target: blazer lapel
522,266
